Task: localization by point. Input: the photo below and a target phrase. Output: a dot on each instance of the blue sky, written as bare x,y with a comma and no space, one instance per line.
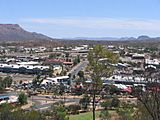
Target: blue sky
84,18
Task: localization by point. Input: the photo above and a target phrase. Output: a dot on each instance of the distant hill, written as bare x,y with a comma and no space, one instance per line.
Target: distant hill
92,38
139,38
13,32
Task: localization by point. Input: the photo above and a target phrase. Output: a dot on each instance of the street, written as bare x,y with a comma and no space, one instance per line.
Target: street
78,68
43,102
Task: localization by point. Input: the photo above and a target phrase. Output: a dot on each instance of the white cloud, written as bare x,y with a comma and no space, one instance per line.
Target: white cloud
100,23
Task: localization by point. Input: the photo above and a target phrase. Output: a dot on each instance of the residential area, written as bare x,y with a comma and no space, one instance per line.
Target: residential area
40,77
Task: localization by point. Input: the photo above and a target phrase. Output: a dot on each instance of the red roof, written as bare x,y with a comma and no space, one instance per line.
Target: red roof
128,89
70,63
58,60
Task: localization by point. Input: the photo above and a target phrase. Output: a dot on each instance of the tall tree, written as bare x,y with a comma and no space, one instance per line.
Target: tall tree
100,64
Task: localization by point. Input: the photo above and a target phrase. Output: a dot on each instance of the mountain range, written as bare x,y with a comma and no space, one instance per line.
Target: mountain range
142,37
13,32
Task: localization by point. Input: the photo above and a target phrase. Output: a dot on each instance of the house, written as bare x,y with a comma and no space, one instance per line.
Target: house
153,62
56,80
28,69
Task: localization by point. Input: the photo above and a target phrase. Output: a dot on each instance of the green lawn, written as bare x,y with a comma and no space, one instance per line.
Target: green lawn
83,116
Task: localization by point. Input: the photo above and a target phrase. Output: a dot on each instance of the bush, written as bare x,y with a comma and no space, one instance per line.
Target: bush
81,74
106,104
10,112
104,115
74,108
22,98
126,111
85,102
115,102
33,115
58,111
114,89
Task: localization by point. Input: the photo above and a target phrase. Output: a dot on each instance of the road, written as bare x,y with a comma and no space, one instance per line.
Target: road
78,68
9,94
44,102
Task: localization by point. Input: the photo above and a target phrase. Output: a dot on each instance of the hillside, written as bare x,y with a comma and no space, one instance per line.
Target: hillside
13,32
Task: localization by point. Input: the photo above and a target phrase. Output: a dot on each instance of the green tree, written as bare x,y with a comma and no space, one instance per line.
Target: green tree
61,89
33,115
10,112
7,81
115,102
105,104
113,89
59,112
5,111
81,74
76,60
126,111
104,115
51,56
100,60
1,84
22,98
54,55
85,102
74,108
55,90
67,56
18,114
37,81
20,82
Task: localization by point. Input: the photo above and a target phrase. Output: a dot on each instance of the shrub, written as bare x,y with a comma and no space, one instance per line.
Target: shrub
22,98
74,108
115,102
85,101
106,104
104,115
58,111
